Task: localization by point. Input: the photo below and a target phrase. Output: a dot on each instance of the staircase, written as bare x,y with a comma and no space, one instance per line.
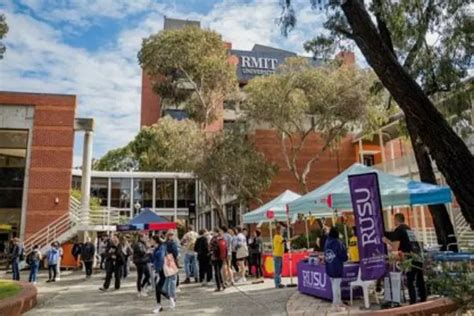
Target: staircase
464,233
62,229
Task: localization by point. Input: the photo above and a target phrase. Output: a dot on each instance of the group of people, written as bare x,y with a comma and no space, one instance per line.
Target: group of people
402,240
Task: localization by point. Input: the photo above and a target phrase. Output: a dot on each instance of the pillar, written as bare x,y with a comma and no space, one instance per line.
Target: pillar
382,150
361,151
86,177
175,199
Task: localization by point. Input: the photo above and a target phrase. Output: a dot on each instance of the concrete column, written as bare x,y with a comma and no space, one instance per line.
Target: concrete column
213,220
153,202
423,224
382,149
86,176
175,199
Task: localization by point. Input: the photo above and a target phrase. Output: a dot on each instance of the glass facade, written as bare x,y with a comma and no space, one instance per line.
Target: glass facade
143,192
164,194
13,149
100,189
120,192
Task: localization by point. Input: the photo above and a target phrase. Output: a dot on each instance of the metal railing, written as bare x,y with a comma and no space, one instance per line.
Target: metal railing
55,230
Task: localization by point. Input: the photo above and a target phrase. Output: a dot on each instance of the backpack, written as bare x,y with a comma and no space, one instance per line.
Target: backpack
22,254
29,258
222,245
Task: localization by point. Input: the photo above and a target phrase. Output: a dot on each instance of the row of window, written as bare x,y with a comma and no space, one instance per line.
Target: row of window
121,192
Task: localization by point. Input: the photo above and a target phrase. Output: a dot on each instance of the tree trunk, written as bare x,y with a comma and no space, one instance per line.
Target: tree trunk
441,220
451,154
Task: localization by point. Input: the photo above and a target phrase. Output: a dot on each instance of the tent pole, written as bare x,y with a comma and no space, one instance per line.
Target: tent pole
271,234
307,232
290,258
423,224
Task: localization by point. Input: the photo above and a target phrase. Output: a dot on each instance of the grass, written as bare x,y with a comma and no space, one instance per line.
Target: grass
8,288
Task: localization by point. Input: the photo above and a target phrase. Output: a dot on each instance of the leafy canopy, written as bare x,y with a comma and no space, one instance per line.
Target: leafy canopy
191,69
3,32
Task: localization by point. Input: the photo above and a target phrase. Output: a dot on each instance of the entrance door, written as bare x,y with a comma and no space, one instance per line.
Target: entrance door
13,148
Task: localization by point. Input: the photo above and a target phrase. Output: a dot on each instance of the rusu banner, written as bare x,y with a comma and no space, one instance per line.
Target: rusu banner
367,205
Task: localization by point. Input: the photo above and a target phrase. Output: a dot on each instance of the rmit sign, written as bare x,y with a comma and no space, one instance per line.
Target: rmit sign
258,65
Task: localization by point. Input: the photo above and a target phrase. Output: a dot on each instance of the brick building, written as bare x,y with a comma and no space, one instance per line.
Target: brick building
36,152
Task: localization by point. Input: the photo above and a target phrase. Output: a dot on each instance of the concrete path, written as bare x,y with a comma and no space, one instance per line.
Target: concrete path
74,295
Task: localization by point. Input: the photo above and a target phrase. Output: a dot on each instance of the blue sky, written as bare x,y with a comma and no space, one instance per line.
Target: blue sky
89,48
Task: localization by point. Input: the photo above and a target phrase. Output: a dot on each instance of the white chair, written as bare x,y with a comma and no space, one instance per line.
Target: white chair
365,289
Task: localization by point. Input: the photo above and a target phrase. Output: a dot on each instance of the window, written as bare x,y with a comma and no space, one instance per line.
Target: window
369,160
164,194
186,193
143,192
120,193
100,189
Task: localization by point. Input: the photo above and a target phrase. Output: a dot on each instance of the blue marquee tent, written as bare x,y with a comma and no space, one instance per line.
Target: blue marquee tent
147,217
277,206
395,191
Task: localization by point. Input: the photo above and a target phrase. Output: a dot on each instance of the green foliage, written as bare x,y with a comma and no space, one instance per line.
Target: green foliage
94,203
191,69
454,281
3,32
169,145
232,161
120,159
8,288
300,99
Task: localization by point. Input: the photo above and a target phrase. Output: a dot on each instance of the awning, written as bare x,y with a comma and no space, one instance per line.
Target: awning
271,211
395,191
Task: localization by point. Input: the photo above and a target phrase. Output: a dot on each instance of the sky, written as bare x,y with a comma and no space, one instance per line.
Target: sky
89,48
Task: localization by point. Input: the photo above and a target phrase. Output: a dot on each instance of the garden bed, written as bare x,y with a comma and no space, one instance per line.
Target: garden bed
16,297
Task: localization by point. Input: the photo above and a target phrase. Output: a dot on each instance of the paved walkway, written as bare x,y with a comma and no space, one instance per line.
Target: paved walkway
74,295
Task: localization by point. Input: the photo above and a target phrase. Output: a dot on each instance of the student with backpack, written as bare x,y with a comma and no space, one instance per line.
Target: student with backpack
87,256
218,255
335,254
33,260
140,259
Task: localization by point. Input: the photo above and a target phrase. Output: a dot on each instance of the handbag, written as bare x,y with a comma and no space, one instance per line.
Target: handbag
242,252
169,267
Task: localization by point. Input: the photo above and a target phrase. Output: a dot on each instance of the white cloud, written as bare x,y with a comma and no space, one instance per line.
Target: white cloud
108,80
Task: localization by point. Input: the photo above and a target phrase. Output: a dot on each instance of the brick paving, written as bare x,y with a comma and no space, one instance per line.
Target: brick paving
74,295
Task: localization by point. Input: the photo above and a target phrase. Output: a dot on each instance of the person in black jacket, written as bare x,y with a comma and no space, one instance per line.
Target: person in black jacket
114,257
204,257
335,254
87,256
140,259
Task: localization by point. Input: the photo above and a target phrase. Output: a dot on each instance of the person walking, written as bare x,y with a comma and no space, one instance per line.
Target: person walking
127,252
17,256
227,268
404,239
87,256
218,255
140,259
34,260
114,257
159,253
335,254
171,281
241,254
190,256
103,244
53,258
257,250
278,252
76,252
234,242
203,255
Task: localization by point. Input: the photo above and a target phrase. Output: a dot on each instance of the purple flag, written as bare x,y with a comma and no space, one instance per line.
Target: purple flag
367,204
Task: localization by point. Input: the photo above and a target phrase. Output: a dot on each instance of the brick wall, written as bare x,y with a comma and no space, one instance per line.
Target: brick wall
51,156
150,103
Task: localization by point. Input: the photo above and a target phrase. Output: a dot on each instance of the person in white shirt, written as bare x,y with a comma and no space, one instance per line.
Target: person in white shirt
58,266
190,256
